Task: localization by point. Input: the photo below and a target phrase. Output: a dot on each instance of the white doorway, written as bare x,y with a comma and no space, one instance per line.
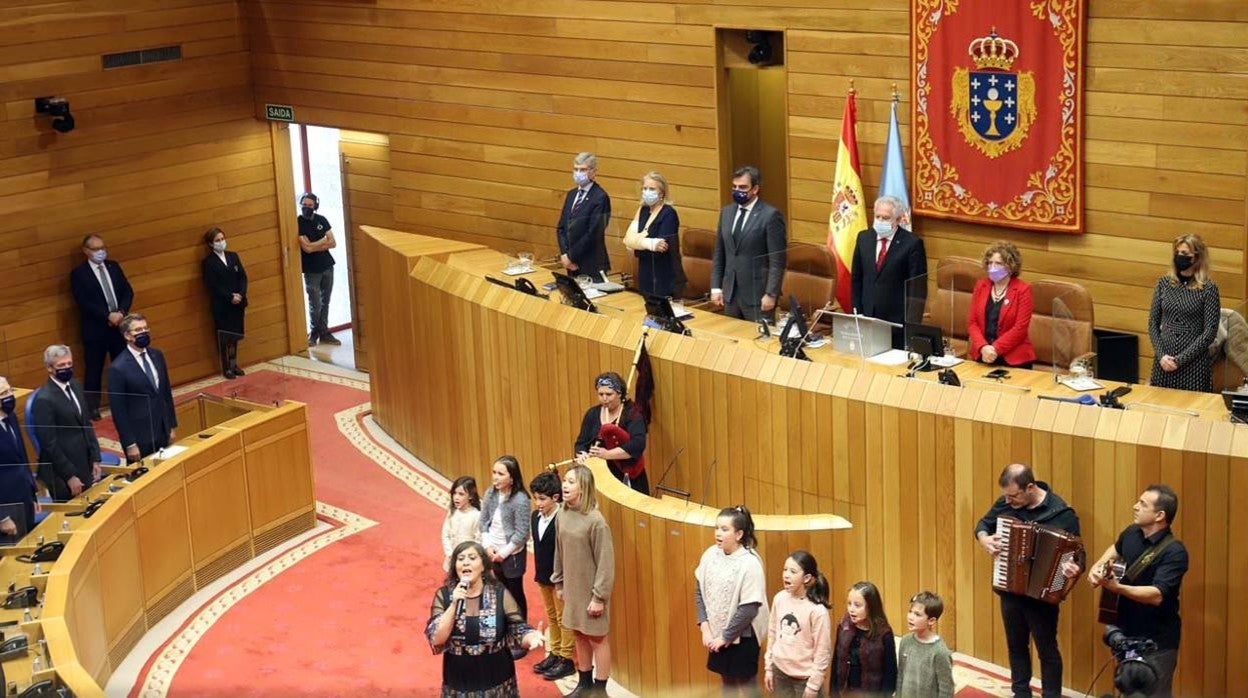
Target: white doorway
318,169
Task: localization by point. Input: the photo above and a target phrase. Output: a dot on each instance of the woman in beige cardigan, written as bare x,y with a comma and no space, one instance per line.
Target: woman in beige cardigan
584,576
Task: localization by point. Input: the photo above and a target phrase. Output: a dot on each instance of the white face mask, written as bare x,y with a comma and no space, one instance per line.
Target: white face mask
651,196
218,246
883,227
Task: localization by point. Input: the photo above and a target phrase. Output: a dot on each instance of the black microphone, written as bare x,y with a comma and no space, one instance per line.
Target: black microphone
672,490
706,484
464,582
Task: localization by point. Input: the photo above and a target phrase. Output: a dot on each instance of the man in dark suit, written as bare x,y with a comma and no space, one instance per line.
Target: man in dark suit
69,454
747,267
140,394
582,228
885,258
17,483
104,297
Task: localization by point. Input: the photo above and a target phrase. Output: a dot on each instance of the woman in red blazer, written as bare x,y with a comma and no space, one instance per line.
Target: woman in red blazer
1001,307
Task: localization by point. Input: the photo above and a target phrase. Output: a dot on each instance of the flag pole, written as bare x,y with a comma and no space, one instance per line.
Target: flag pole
896,95
632,371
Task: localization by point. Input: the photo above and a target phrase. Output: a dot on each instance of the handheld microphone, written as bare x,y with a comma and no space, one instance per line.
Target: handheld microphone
464,582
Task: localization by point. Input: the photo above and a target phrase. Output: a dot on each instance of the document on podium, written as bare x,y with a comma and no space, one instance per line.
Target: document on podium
892,357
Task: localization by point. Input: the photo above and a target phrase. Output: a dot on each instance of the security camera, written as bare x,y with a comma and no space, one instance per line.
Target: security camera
58,108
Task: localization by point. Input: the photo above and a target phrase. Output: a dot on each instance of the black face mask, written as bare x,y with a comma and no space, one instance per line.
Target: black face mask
8,404
1183,262
308,211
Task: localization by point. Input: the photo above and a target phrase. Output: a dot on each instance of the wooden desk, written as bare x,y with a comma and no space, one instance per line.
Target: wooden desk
241,488
487,370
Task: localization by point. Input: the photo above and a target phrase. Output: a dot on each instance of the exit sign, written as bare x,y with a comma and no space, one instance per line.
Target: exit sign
279,112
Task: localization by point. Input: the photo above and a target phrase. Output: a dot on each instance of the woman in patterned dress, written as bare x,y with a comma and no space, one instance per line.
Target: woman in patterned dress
1183,320
473,624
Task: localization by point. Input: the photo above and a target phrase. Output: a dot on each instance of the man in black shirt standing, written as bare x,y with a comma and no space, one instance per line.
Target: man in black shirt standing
1023,497
1148,596
316,239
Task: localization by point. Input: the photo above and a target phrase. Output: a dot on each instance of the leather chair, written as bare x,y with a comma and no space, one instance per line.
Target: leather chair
1230,365
810,276
1061,324
949,304
697,249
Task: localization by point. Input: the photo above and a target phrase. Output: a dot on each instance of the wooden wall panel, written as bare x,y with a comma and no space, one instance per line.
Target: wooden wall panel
161,153
486,104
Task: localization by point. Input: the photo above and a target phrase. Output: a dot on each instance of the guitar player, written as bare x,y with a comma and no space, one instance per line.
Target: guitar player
1148,594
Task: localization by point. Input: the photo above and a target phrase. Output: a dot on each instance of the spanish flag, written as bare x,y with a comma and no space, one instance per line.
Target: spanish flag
849,209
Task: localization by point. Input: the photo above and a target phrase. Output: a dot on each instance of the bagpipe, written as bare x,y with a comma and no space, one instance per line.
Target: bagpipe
612,435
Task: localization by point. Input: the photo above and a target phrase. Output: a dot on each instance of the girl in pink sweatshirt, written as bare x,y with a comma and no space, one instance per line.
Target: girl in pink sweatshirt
799,636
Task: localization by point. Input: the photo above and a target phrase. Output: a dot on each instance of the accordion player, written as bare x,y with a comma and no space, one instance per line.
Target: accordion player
1031,558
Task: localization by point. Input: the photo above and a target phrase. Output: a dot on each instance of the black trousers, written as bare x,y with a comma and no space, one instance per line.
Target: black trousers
1027,618
1164,662
94,352
516,586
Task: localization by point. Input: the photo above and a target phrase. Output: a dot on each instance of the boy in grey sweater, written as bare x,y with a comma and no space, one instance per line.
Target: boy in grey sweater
924,663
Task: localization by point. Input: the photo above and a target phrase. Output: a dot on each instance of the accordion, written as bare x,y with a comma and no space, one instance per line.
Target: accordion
1031,558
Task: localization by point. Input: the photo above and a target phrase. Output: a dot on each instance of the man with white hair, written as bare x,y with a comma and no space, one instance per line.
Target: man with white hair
17,483
69,454
885,258
582,227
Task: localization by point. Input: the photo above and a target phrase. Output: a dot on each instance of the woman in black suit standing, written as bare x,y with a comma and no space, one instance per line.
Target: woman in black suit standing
227,287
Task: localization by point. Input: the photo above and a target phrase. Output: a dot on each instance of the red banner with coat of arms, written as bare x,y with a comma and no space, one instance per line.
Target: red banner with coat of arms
998,112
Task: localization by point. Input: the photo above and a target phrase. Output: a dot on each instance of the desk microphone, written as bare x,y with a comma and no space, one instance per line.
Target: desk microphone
672,490
464,582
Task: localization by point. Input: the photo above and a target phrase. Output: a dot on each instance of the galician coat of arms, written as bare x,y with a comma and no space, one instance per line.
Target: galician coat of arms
994,105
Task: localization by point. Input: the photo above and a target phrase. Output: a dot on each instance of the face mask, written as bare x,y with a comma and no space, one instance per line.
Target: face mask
581,178
99,256
741,197
650,196
883,228
8,404
64,375
308,211
996,272
143,340
1183,262
218,246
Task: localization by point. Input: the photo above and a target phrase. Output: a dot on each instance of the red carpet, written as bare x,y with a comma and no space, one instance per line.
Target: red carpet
348,620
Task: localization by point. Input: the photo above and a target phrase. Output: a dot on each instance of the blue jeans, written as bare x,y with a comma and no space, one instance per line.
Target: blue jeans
319,285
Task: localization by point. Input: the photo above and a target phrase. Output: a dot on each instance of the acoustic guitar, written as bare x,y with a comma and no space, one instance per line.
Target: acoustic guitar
1107,614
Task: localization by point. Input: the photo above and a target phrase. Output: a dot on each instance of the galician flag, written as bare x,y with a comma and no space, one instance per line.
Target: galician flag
849,210
893,178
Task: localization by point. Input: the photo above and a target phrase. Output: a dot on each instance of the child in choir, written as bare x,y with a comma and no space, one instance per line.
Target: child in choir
731,598
463,519
547,493
865,662
924,663
584,576
799,636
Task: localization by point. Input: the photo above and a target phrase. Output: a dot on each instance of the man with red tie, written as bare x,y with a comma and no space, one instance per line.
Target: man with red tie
885,258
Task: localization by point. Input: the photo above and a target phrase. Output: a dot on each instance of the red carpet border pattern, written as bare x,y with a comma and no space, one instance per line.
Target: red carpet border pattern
164,665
